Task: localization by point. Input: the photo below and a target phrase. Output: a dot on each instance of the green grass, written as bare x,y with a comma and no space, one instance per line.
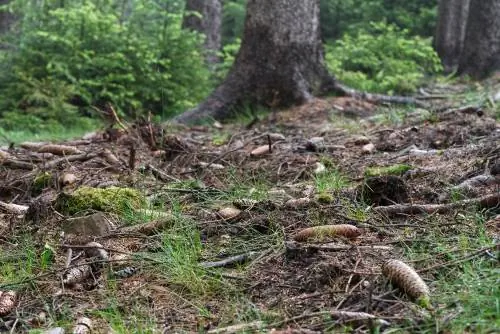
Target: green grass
466,295
56,134
330,180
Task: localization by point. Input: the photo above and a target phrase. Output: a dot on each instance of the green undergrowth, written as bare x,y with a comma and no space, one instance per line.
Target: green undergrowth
38,133
465,295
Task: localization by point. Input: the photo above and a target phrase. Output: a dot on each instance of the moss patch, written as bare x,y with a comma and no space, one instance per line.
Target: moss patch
113,199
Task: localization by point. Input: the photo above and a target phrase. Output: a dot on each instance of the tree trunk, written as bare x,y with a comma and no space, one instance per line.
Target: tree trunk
209,24
450,32
481,52
6,18
280,62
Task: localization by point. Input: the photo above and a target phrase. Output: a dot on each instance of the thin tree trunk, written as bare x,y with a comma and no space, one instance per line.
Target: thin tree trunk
205,16
450,32
481,52
6,18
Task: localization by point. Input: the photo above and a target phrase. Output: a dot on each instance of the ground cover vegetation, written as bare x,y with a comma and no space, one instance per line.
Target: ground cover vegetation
276,221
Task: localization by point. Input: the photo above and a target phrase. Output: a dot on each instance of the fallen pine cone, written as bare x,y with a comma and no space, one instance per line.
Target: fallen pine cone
322,231
298,203
407,279
7,302
58,149
77,274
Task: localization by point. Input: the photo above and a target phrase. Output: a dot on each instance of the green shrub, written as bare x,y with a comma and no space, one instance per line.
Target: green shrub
348,16
382,59
73,56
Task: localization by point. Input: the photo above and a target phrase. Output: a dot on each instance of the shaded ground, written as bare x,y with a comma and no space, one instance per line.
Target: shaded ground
321,152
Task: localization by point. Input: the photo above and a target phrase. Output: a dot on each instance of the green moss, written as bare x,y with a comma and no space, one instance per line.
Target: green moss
425,302
113,199
42,180
389,170
324,197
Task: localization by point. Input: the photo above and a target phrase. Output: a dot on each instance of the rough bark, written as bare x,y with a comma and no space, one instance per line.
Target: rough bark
280,62
481,52
205,16
450,31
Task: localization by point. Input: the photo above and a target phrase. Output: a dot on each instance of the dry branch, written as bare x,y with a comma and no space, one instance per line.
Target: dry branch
229,261
147,228
489,201
13,208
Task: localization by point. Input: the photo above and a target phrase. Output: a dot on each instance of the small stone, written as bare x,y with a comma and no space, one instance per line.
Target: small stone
368,148
217,125
228,213
67,179
97,224
276,136
316,144
320,168
497,96
361,140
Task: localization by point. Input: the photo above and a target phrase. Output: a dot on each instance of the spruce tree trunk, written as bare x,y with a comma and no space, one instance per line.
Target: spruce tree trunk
280,62
6,19
207,21
450,32
481,52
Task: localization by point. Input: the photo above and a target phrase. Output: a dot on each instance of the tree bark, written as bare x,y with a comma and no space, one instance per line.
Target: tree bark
280,61
450,32
209,24
481,52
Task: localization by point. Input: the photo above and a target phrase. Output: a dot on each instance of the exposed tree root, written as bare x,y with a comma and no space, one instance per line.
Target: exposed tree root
226,98
376,98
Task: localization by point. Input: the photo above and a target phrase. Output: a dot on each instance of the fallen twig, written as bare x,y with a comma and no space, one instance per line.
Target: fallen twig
377,98
489,201
238,328
13,208
230,260
339,316
460,260
160,175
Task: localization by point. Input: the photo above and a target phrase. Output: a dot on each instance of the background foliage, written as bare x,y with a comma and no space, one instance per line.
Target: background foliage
382,58
71,56
64,59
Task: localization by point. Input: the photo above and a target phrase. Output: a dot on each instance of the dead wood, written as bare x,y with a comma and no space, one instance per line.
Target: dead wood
230,260
13,208
17,164
489,201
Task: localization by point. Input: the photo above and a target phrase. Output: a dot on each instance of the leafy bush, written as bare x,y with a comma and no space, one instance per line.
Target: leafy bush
382,59
227,56
347,16
73,56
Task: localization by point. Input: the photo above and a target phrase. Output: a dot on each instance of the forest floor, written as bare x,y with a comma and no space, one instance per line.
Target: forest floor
151,229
